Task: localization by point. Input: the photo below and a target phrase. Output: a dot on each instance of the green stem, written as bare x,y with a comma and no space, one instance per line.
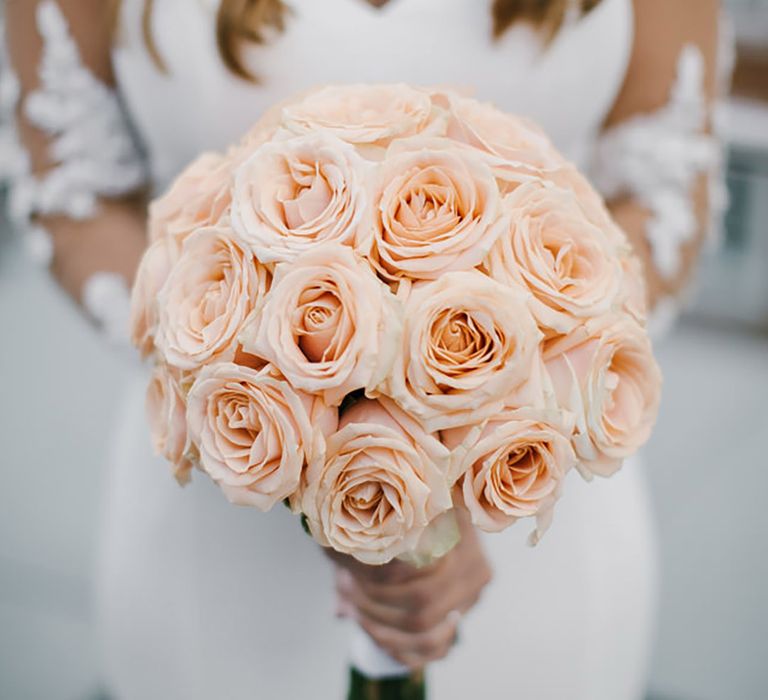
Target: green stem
412,687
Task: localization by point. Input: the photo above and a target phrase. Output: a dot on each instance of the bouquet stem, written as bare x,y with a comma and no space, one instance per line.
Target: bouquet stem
408,687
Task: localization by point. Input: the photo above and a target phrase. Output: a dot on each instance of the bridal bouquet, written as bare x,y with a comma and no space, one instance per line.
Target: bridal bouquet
387,301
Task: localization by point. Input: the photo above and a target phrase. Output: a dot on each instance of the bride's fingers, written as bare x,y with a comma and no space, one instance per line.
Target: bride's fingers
377,610
409,613
397,599
468,575
413,649
386,574
417,588
419,661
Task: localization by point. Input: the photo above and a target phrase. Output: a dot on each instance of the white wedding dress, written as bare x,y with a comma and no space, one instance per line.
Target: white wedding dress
203,600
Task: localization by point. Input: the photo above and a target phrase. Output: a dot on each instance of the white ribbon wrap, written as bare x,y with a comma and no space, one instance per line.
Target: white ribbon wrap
368,658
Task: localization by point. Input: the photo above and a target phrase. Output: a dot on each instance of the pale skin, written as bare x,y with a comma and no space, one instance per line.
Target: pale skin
412,614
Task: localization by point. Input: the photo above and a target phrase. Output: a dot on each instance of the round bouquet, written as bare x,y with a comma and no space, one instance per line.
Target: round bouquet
386,302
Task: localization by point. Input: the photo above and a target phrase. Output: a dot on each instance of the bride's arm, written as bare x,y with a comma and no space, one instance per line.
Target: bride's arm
657,159
96,221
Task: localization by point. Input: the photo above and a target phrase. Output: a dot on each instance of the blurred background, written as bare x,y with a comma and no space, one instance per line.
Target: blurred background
707,463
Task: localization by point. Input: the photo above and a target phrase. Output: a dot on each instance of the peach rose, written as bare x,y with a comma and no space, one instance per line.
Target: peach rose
512,466
363,115
468,344
199,196
291,195
254,433
210,292
436,210
167,416
605,374
154,268
592,204
570,267
382,484
328,324
515,148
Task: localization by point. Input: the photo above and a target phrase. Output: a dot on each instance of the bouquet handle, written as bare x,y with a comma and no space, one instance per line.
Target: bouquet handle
370,659
374,675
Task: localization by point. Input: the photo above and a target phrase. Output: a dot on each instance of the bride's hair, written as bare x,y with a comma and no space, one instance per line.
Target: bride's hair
239,22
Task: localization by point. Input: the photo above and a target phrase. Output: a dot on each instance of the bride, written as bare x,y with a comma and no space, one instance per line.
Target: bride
200,599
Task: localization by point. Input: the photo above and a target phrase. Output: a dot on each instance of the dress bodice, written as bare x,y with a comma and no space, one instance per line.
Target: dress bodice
197,104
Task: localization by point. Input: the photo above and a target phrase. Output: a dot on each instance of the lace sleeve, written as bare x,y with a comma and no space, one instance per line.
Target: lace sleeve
657,156
92,150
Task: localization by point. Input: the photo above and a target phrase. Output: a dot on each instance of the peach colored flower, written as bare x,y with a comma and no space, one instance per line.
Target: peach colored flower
254,433
469,343
550,246
516,149
567,177
605,374
293,194
211,290
328,324
200,196
436,210
154,268
167,416
363,115
382,484
512,466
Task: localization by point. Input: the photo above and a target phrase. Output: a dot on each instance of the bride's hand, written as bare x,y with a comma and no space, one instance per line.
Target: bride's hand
413,613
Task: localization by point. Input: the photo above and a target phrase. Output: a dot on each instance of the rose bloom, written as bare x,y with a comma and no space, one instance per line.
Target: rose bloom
605,374
293,194
210,292
328,323
382,484
154,268
167,416
569,265
514,147
199,197
591,202
254,433
436,210
468,344
512,466
363,115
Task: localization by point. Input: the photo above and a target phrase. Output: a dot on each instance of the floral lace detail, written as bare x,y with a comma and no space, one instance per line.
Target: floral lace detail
91,141
657,158
718,186
15,164
93,149
13,158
